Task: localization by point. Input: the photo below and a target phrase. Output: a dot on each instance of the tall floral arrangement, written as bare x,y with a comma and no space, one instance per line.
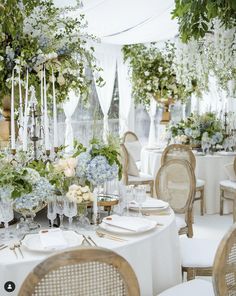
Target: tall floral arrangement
153,74
34,33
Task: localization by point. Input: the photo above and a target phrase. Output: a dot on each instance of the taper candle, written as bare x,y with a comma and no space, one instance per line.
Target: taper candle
13,132
55,132
46,127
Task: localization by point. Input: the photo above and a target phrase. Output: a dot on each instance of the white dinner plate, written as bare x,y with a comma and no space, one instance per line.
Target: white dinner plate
150,205
149,225
33,243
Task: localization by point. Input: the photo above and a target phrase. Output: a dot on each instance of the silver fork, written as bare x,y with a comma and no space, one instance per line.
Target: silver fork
17,245
13,248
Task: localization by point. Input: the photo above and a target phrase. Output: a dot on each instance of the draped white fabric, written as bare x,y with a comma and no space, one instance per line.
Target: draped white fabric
125,98
128,22
69,108
106,59
152,130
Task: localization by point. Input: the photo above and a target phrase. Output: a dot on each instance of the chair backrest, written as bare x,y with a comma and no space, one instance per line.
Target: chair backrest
130,137
224,268
124,159
178,151
175,183
82,271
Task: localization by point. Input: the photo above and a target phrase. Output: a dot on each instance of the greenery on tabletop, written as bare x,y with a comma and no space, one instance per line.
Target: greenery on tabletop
194,17
34,33
153,74
197,128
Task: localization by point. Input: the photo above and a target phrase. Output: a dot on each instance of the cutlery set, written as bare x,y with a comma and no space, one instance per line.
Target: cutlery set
13,247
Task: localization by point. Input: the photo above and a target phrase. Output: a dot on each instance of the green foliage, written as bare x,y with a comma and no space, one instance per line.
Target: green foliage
153,73
194,17
78,148
14,177
34,33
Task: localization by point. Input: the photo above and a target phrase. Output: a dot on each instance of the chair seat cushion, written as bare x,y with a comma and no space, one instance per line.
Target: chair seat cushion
200,183
180,222
141,177
198,252
228,183
191,288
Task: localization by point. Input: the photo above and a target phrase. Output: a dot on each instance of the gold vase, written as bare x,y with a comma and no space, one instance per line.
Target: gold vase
166,116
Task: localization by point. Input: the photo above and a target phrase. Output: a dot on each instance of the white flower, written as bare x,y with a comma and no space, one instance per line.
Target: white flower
146,73
61,80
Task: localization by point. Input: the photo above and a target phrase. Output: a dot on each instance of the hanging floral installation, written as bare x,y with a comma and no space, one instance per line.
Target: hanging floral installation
153,74
36,34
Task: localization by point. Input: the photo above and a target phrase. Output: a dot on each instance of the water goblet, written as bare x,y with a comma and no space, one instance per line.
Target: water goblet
129,197
60,208
70,211
140,197
52,211
6,215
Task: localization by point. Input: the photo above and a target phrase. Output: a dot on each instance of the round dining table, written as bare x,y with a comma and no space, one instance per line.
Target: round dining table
154,256
209,168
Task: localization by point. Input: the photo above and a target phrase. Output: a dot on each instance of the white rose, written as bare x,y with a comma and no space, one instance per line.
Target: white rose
74,187
146,73
86,196
61,80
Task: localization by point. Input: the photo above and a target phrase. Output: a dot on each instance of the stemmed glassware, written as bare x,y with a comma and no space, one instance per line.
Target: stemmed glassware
129,197
52,211
6,215
140,197
60,208
70,211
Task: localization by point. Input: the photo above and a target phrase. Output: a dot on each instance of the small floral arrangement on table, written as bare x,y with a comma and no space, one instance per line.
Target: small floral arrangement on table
79,194
197,130
98,164
24,185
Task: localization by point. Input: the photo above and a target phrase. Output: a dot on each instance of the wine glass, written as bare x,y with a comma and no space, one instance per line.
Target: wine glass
70,211
140,197
52,211
6,215
129,197
60,208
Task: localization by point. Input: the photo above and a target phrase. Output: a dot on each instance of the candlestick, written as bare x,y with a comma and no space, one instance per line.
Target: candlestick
55,132
95,205
25,130
46,131
13,133
21,119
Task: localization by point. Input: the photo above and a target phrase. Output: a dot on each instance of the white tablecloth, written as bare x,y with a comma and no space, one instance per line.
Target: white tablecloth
209,168
154,256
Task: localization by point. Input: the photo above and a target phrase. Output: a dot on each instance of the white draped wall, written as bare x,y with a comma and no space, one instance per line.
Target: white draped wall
125,98
106,59
152,130
69,108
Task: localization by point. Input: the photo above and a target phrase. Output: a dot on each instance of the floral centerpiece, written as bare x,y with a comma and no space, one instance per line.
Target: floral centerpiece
28,190
153,74
36,33
98,164
79,194
197,130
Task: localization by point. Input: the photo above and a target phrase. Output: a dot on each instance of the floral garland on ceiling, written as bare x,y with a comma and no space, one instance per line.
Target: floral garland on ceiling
215,54
153,74
34,33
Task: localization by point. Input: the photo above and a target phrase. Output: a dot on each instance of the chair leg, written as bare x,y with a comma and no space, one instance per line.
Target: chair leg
202,201
221,201
234,210
151,188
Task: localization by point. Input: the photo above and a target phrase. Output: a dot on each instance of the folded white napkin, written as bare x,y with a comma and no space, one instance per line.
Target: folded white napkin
135,224
52,238
150,203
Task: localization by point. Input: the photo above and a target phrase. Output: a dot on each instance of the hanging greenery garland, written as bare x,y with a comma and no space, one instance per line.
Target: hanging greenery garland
153,74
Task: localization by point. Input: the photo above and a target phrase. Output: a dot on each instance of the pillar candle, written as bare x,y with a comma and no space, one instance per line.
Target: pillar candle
25,134
13,133
54,112
46,128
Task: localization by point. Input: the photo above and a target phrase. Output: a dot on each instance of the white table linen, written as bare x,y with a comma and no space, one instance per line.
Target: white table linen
209,168
154,256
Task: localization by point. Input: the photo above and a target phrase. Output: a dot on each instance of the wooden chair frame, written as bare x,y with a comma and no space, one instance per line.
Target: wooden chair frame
128,135
231,196
80,256
187,210
223,264
192,158
125,178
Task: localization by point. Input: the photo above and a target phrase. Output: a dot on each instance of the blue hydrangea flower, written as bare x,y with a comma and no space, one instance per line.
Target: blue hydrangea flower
82,164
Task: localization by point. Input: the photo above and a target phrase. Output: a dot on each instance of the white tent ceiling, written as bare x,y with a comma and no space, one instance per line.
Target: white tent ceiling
129,21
